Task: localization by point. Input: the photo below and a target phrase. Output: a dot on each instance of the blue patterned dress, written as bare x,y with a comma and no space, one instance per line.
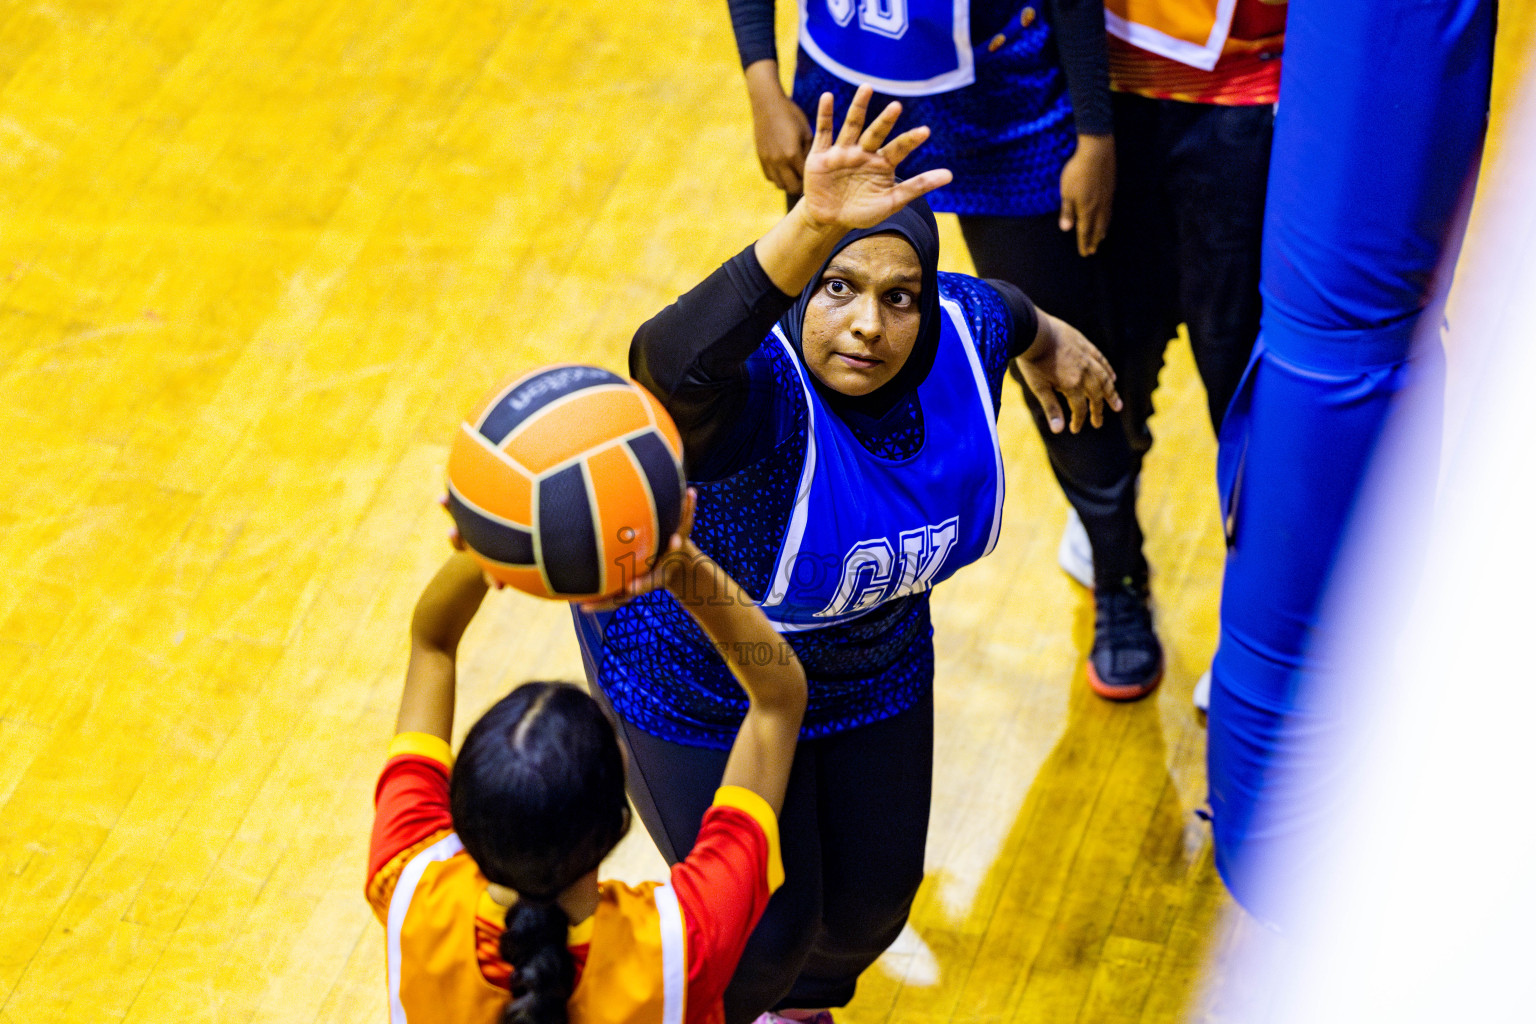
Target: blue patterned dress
655,664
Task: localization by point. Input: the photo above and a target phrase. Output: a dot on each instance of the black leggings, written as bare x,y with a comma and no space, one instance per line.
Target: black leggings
1097,467
1183,245
853,829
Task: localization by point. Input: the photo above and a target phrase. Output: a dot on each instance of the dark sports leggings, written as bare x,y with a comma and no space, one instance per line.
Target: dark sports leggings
1183,244
853,829
1097,467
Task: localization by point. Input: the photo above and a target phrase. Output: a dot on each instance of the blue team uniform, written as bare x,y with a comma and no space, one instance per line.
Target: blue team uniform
838,532
936,56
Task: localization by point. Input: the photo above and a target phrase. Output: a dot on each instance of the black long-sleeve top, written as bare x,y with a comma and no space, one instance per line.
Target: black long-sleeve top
737,397
694,356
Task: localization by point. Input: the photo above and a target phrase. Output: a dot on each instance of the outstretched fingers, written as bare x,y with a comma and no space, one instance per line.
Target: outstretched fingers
871,138
899,148
906,191
823,137
874,136
853,123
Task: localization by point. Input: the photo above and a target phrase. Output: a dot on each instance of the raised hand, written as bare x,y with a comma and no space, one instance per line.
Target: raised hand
850,181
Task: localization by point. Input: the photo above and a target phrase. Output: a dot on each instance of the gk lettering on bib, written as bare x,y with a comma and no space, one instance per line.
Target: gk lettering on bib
873,572
866,529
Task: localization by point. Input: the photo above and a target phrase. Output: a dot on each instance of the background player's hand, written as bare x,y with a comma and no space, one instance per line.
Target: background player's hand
665,570
779,127
1062,360
850,181
1088,191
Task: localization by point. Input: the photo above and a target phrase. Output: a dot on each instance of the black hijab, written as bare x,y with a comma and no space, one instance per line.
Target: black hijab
915,223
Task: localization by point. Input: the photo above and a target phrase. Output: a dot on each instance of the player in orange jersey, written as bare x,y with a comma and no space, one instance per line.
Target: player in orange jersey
485,875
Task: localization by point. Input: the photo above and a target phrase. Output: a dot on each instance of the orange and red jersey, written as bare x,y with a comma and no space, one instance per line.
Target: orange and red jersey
657,953
1246,73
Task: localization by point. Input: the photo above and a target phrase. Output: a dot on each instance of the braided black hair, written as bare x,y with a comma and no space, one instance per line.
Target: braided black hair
538,800
543,972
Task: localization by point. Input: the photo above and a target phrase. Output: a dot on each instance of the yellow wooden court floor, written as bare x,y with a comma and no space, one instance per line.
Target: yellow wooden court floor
256,257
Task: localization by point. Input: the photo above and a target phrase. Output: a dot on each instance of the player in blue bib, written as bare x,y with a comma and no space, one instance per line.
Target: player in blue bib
1017,95
844,452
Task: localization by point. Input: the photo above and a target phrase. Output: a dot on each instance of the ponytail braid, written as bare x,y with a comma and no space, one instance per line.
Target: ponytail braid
543,972
538,800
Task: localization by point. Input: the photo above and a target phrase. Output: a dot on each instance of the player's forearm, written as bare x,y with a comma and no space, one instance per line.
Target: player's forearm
794,249
763,82
443,612
1080,42
761,660
426,704
447,604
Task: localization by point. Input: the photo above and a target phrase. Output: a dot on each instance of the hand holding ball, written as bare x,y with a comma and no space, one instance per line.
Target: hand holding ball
566,482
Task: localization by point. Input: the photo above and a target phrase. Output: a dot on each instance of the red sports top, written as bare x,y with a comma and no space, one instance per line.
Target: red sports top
658,953
1247,73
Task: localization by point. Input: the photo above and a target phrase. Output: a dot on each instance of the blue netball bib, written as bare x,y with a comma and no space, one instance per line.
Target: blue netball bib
901,47
866,530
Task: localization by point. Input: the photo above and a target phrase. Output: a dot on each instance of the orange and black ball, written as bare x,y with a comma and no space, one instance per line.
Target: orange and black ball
566,481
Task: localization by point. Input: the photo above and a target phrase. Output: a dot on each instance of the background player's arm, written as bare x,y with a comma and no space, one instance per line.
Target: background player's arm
762,662
779,127
443,612
1088,179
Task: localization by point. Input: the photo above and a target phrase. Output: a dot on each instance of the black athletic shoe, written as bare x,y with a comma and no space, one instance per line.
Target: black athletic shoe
1126,662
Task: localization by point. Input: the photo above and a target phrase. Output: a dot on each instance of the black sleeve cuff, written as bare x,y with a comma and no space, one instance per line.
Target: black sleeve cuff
752,22
1026,322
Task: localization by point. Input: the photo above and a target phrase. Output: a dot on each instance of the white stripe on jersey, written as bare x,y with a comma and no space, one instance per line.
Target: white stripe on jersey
400,902
674,955
790,549
957,317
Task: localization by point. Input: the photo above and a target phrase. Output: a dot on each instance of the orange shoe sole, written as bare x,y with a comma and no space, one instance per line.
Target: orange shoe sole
1123,693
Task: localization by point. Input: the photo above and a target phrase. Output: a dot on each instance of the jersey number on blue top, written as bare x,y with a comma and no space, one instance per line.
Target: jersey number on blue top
887,17
901,47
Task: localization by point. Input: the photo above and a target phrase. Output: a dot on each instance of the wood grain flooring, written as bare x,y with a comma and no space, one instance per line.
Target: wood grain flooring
255,260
